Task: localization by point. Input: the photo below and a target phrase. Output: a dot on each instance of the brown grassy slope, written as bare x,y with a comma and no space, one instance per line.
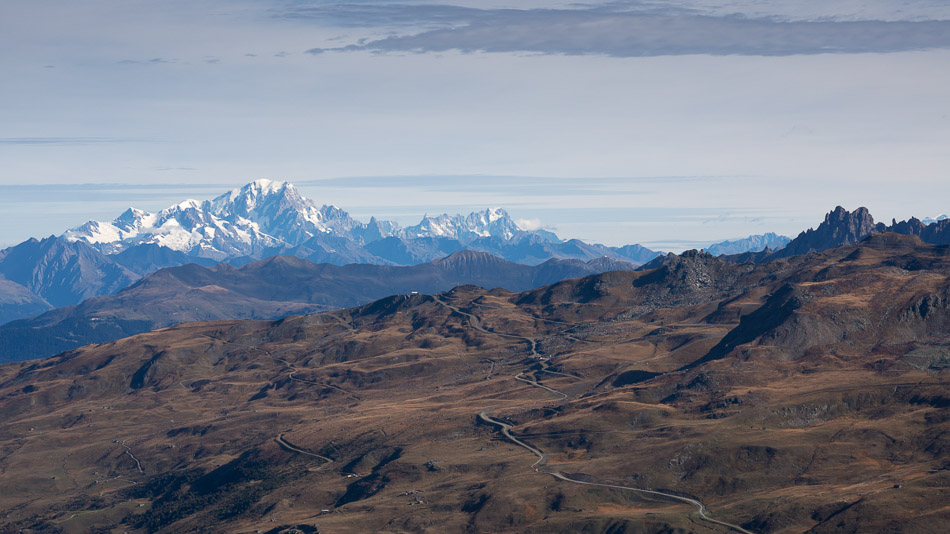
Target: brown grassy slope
825,409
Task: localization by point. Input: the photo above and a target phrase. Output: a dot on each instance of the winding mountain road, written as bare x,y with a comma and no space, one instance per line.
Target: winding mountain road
293,448
540,465
532,343
477,325
138,464
522,378
325,384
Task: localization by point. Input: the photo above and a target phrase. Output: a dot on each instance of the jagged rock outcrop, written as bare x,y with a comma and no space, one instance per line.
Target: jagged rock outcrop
690,278
935,233
840,227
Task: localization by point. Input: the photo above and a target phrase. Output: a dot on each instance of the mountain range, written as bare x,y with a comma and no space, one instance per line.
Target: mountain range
267,289
753,243
259,220
285,285
786,385
803,394
265,218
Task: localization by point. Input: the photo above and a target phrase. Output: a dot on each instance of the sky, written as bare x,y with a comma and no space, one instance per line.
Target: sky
672,124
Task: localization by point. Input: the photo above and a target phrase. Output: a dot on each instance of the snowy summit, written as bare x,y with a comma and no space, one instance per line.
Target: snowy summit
268,216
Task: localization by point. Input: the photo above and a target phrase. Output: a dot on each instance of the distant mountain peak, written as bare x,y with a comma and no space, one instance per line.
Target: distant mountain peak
268,186
492,222
938,218
839,214
62,272
187,204
265,217
753,243
468,256
258,188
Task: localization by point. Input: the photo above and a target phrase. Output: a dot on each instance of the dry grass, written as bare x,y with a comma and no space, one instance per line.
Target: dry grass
776,439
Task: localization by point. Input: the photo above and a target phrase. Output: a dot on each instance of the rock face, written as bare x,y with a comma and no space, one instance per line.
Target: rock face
935,233
840,227
689,279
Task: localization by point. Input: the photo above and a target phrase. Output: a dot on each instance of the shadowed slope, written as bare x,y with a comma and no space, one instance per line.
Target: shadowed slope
268,289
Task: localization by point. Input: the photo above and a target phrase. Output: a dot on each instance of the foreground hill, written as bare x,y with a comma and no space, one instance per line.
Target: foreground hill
267,289
806,394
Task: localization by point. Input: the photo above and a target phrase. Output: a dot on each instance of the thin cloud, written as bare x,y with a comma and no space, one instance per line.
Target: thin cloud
606,31
152,61
350,15
525,186
530,224
60,141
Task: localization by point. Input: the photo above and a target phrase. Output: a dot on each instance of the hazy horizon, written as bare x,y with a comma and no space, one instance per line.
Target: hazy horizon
552,207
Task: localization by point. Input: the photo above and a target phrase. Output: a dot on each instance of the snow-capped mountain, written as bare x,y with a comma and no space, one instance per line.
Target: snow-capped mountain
938,218
266,217
753,243
493,222
262,219
263,215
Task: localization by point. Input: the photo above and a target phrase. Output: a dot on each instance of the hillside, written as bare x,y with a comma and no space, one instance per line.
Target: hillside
267,289
807,394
